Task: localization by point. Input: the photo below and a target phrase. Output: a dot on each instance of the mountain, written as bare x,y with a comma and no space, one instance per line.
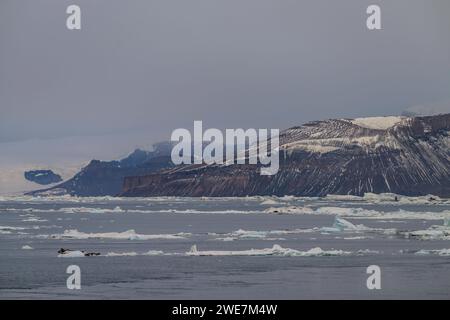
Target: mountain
105,178
43,177
403,155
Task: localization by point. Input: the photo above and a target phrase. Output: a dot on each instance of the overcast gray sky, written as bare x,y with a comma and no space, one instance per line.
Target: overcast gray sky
157,65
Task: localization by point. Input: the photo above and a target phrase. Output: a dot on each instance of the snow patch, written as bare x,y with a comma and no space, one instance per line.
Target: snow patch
379,123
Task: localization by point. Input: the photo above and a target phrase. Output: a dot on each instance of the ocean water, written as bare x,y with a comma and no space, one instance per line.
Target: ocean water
225,248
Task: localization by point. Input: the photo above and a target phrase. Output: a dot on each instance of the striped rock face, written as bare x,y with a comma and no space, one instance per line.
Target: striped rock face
403,155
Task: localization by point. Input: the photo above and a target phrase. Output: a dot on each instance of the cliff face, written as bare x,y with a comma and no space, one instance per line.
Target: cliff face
403,155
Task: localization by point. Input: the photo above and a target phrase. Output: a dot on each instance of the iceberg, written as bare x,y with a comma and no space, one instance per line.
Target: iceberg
341,225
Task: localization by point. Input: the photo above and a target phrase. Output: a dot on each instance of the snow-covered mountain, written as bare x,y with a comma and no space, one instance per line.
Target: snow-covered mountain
403,155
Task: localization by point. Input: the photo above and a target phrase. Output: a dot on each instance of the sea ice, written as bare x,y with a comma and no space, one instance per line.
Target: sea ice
126,235
276,250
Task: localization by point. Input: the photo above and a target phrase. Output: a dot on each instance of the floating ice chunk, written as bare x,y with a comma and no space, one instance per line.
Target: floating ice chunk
447,222
34,219
153,253
433,232
133,254
441,252
27,247
91,210
126,235
338,197
121,254
341,225
336,211
72,254
226,239
269,202
9,228
249,234
289,210
319,252
356,238
262,235
367,251
276,250
193,249
363,213
392,197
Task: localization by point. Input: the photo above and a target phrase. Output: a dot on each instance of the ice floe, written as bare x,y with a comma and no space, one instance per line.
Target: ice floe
126,235
391,198
259,235
9,228
435,232
441,252
34,219
72,254
362,213
133,253
276,250
341,225
290,210
367,252
356,238
269,202
117,209
432,233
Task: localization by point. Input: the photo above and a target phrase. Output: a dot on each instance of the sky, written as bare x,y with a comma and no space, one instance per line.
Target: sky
139,69
152,66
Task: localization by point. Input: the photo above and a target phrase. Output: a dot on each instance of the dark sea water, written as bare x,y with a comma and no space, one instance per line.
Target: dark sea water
246,248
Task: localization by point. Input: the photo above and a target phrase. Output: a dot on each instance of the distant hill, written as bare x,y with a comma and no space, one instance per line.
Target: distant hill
43,177
105,178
